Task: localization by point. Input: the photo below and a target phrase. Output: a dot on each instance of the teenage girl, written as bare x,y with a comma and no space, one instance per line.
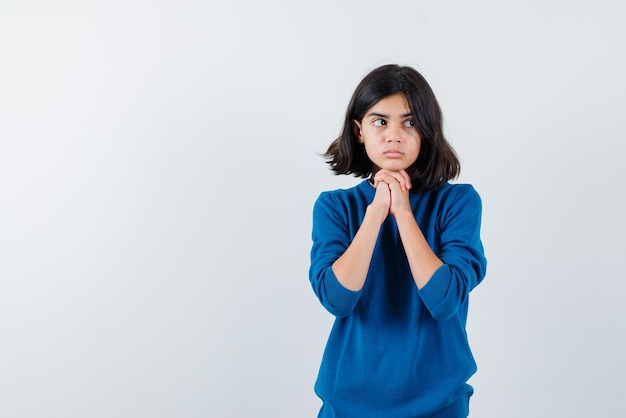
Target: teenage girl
395,258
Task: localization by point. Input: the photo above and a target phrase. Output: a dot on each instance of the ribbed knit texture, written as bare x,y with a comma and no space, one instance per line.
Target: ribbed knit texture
396,351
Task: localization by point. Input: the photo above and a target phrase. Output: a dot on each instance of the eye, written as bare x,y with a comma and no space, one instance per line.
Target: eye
379,122
410,123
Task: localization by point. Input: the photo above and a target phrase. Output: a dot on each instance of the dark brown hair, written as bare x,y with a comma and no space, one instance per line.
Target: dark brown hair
437,161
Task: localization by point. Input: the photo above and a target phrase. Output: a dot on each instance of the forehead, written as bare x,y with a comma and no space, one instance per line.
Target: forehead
391,105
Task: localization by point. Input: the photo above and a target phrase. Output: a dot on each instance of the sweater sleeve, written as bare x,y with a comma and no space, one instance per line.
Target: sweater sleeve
461,250
331,238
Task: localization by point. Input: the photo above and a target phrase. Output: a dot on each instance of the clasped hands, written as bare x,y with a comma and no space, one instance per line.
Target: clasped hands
392,192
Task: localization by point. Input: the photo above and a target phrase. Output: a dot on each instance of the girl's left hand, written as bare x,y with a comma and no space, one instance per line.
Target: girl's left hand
399,183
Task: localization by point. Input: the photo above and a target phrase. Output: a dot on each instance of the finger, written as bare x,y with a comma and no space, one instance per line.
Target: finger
407,179
382,174
383,178
383,187
396,186
392,176
378,177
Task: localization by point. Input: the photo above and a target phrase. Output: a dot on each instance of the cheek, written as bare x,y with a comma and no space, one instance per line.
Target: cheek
370,151
418,145
417,150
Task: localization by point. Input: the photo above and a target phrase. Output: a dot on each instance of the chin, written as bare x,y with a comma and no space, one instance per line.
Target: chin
395,167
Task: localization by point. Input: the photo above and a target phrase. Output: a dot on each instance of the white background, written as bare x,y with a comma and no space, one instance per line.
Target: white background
159,162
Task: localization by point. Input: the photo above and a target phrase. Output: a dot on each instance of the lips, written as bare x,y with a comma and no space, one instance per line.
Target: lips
393,153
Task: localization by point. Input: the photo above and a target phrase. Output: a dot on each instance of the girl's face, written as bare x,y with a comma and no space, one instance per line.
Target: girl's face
389,134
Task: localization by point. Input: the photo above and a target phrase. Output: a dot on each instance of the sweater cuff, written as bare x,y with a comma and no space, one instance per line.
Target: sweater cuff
341,300
436,288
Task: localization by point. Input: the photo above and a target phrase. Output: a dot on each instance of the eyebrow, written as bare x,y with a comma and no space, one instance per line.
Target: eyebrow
380,115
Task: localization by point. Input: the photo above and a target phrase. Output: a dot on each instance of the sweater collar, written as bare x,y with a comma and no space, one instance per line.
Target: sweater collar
367,189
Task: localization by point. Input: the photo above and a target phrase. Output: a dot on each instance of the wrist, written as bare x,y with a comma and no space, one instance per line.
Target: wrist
376,213
404,216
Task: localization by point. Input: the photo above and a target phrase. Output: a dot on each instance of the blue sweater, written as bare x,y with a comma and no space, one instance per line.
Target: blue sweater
395,351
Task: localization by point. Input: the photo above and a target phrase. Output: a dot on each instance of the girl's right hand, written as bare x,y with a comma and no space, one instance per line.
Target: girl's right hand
382,202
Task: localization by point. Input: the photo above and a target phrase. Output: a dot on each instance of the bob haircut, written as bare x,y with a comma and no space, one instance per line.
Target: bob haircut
437,161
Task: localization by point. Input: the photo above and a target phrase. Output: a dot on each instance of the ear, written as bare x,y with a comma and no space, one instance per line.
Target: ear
357,131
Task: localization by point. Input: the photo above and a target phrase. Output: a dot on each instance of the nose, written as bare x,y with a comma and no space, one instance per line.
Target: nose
394,132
